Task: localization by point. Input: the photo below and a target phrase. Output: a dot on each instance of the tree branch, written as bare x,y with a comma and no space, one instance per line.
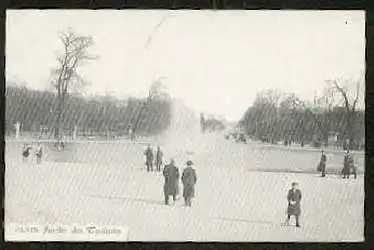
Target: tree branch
343,93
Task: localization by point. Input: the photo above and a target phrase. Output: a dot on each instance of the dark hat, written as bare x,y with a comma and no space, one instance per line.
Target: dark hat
295,183
189,163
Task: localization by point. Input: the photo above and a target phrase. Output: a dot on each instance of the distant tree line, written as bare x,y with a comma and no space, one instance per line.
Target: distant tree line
35,109
63,110
210,124
275,117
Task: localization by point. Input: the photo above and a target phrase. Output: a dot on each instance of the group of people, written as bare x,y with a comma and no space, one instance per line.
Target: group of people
150,158
171,185
294,194
171,175
348,165
26,152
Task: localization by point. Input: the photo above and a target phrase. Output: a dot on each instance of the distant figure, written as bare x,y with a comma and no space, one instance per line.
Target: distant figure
322,164
171,175
353,166
149,158
26,151
130,132
347,165
39,153
294,198
159,155
60,145
189,179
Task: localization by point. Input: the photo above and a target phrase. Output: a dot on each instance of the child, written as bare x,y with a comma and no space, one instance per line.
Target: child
26,151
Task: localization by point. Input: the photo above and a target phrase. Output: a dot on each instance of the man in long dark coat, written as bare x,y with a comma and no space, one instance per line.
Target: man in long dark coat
159,155
294,198
322,164
346,165
189,179
171,175
353,166
149,158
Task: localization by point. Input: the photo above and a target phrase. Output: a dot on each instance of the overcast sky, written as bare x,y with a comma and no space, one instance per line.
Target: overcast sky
214,60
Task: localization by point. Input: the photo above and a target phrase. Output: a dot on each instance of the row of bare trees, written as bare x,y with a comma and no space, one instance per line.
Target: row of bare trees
66,108
92,116
276,116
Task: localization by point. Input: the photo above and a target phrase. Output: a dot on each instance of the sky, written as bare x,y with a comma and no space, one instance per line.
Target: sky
215,61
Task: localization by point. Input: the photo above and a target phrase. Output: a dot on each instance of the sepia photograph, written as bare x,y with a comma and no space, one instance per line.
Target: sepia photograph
184,125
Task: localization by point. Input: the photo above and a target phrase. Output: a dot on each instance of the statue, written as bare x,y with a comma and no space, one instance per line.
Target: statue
18,128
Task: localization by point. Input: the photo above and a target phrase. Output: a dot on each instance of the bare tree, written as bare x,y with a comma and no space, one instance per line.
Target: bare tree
158,90
340,92
351,94
263,115
315,110
65,77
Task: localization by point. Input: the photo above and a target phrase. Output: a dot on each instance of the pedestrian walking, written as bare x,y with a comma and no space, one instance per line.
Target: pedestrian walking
149,158
39,153
351,165
354,169
346,165
294,199
189,179
159,155
171,175
322,164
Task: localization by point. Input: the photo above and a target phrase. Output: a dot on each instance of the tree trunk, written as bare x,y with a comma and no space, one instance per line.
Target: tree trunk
349,129
60,105
58,119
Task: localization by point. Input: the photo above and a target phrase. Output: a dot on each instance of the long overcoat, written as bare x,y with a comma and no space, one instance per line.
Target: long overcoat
294,196
171,175
322,163
189,179
149,156
159,155
347,164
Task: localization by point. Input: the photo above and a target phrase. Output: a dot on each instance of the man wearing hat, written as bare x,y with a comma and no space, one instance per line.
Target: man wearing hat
189,180
159,155
294,198
347,164
149,158
322,164
171,175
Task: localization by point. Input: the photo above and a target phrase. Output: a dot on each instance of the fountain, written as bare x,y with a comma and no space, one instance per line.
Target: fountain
183,136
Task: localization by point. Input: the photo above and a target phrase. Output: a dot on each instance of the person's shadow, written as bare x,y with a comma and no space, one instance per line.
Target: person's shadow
129,199
241,220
